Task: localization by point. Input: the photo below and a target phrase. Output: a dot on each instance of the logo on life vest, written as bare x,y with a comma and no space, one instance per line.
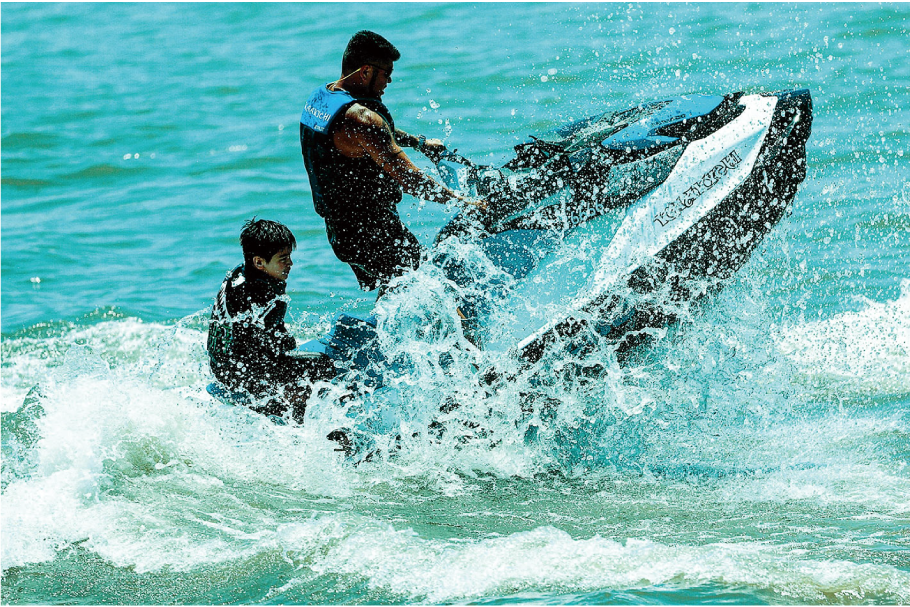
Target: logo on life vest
707,181
319,114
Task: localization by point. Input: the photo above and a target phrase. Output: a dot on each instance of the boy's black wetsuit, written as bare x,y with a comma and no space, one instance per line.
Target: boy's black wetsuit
248,342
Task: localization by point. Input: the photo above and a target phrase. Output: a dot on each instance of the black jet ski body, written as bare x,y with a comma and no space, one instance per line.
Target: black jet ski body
662,199
589,220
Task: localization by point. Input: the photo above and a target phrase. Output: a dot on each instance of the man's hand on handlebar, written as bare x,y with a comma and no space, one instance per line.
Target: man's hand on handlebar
431,148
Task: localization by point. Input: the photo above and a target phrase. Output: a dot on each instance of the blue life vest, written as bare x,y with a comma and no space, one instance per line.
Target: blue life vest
323,107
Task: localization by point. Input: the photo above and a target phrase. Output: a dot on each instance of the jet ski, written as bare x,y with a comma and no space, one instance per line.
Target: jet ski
602,229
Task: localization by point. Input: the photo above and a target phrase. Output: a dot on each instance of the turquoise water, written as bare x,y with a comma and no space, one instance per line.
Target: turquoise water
758,454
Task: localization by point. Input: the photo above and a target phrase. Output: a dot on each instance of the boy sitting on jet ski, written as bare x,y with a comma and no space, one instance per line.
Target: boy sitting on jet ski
248,343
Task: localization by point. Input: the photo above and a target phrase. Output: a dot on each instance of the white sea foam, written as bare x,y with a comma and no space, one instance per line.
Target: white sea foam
548,559
108,434
134,462
136,347
855,353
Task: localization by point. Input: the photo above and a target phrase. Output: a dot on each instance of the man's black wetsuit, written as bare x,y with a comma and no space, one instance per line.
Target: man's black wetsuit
355,196
248,342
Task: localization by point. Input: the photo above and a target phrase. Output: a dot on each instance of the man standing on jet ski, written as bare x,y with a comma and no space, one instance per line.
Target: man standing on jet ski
357,169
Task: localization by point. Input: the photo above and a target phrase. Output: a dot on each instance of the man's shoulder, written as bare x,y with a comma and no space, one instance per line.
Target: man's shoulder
361,113
362,125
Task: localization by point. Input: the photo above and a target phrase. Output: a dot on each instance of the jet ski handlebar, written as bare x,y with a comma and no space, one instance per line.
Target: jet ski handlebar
437,155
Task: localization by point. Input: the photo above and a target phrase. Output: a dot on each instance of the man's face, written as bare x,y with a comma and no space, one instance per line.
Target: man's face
380,77
279,266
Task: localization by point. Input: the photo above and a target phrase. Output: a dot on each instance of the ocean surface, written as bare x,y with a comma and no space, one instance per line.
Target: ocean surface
757,454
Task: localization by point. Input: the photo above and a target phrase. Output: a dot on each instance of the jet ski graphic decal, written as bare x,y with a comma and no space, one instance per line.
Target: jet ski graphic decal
707,181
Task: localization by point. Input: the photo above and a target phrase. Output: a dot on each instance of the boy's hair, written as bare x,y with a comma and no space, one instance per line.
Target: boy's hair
264,238
366,47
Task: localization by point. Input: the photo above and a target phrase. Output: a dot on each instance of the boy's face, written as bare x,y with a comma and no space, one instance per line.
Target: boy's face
278,267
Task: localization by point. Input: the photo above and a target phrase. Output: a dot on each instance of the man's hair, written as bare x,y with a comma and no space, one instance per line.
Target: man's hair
264,238
367,47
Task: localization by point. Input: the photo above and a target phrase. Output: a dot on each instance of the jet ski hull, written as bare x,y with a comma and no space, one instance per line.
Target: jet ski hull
602,228
693,210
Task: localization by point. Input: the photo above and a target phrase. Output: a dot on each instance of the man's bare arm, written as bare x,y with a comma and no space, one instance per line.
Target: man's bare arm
365,132
431,148
406,140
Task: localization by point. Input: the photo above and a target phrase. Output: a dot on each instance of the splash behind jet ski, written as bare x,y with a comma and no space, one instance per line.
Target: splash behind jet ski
602,228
